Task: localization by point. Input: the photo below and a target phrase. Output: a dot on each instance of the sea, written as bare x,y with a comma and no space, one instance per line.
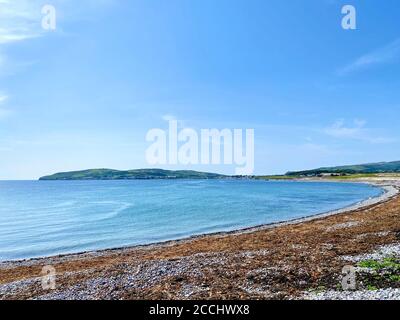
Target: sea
46,218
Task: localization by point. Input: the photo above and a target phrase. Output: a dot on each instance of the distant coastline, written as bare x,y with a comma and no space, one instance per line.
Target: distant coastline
343,172
140,174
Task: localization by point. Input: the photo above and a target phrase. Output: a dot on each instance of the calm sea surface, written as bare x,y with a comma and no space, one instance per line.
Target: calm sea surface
42,218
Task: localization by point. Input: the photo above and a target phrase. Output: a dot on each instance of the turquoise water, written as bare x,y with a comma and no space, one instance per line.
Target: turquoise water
43,218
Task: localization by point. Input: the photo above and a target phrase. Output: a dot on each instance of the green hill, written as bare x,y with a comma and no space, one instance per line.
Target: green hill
141,174
380,167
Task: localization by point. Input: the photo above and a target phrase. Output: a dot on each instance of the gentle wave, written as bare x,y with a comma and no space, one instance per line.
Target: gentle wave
40,218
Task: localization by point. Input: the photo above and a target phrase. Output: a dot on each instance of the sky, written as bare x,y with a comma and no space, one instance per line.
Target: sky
85,94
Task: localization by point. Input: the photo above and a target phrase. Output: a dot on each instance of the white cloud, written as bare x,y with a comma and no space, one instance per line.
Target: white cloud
3,111
386,54
19,20
3,98
339,130
357,131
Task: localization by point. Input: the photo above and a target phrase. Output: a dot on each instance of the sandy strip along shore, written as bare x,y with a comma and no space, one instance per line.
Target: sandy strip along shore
281,261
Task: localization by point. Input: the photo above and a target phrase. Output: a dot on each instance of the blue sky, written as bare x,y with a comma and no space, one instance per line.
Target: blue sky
85,95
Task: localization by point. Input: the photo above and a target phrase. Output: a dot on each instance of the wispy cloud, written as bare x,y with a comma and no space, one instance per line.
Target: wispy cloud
19,20
386,54
3,98
356,131
340,130
3,111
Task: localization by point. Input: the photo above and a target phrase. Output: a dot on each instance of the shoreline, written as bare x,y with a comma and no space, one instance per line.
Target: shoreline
390,190
279,261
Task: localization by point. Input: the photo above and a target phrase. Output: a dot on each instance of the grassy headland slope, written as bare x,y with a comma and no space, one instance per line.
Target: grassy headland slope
370,168
353,171
141,174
